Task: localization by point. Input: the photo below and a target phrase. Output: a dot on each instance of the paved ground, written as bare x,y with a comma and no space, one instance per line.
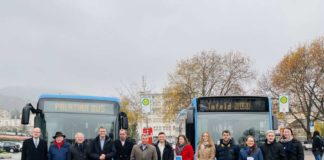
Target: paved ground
308,156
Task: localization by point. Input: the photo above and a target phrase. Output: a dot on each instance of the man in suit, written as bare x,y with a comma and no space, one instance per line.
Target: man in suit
123,146
79,150
144,151
102,147
34,148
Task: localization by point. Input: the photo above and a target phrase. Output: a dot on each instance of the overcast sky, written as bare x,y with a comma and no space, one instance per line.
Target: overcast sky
94,47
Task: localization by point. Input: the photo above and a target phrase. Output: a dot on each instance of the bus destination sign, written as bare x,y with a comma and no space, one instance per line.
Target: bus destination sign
78,107
233,104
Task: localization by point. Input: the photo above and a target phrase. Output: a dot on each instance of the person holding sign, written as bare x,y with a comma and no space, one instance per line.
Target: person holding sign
206,148
184,150
251,151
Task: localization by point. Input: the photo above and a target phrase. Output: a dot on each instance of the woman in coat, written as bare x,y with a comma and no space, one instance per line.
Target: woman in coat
293,148
317,146
250,151
59,150
184,149
206,148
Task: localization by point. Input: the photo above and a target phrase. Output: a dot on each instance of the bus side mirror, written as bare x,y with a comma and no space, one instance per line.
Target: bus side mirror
274,123
190,117
123,120
125,123
25,113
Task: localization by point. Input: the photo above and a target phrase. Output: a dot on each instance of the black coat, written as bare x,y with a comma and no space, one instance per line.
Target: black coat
168,153
228,151
273,151
317,145
108,149
79,152
293,149
30,152
123,152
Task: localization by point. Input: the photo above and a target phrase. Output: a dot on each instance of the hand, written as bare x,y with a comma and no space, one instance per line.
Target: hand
102,157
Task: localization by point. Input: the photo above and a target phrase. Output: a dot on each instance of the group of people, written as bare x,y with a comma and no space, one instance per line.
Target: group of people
100,148
287,149
104,148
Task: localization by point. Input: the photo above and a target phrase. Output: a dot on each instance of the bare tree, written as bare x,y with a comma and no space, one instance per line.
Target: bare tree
206,74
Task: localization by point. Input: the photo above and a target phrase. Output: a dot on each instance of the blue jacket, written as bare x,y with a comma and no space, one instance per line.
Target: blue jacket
59,154
244,153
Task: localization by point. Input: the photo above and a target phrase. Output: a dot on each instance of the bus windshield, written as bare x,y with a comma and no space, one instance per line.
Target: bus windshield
240,124
69,124
77,115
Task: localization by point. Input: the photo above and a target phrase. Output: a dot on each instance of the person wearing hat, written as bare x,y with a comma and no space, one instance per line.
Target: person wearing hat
59,150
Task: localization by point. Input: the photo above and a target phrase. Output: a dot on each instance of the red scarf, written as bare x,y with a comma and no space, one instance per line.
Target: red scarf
59,145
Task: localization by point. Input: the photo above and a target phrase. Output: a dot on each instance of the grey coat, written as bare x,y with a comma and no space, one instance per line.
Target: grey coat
149,153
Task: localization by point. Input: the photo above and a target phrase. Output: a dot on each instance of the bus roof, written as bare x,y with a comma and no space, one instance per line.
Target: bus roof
82,97
231,97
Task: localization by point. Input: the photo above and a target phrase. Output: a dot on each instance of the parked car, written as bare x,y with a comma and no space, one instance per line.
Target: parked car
20,144
307,145
10,147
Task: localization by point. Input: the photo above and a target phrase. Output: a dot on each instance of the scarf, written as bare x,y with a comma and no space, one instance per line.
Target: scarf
284,140
251,150
59,145
180,148
204,145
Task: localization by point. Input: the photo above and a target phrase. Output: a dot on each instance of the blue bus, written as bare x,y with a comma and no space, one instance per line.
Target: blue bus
75,113
241,115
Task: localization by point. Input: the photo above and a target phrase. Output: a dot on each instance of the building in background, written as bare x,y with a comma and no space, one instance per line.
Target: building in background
12,125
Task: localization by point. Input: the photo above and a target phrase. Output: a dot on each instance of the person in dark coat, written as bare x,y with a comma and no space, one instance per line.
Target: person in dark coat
79,150
227,149
34,148
123,146
272,150
251,150
317,146
59,150
293,148
102,147
163,148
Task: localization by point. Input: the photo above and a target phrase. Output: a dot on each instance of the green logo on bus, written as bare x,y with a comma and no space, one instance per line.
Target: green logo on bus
283,99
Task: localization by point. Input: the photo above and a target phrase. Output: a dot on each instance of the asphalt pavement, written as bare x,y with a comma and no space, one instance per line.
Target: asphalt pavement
308,156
